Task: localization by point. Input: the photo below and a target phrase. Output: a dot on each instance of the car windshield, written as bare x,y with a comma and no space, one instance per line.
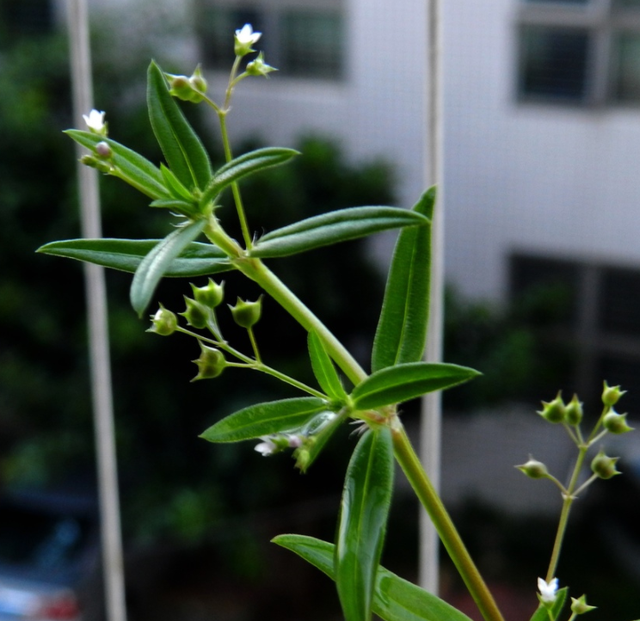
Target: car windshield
40,539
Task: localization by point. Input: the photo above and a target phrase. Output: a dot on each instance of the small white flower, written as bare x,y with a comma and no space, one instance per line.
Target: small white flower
95,121
246,36
266,447
548,590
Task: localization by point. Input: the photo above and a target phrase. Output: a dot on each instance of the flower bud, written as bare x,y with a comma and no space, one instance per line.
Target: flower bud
103,150
611,394
259,67
164,322
573,411
604,466
210,363
196,314
534,469
555,411
210,295
197,81
579,606
247,314
94,162
616,423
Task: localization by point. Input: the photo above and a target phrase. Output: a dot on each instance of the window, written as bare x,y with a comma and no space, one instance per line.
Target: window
593,309
582,52
303,39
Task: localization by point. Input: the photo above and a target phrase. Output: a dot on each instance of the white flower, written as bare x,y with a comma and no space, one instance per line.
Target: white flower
95,121
266,447
246,36
548,590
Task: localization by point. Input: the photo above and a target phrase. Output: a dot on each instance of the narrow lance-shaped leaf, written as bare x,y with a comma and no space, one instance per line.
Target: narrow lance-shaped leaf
139,171
334,227
196,259
363,518
407,381
323,369
153,267
245,165
402,327
264,419
395,599
181,146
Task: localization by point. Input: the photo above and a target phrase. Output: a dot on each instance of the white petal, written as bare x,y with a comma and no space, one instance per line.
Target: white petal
247,36
95,120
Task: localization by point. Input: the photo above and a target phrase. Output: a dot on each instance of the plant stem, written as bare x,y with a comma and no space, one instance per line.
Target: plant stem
237,198
449,536
272,285
568,499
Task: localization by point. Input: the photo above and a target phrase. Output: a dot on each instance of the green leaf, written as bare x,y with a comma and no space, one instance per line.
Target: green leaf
363,519
395,599
139,171
245,165
181,146
264,419
186,208
402,329
174,186
153,267
542,613
407,381
320,439
126,255
324,370
333,227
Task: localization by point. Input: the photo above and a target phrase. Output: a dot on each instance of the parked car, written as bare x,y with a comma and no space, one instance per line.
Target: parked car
49,557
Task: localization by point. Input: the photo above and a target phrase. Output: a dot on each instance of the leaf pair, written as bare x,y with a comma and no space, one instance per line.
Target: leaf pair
394,599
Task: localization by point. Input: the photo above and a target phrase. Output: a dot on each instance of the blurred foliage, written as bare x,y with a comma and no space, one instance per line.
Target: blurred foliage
173,483
522,348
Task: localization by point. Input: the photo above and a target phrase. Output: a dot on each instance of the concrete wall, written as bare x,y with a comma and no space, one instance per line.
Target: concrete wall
554,179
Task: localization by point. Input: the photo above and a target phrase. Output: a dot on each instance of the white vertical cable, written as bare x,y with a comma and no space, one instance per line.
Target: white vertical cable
431,428
78,25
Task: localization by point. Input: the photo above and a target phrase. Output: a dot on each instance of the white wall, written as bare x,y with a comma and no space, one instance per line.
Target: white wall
556,179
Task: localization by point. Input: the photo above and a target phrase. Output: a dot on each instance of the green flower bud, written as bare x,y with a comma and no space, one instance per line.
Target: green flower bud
604,466
247,314
198,83
555,411
302,457
573,411
94,162
616,423
187,89
164,322
534,469
196,314
579,606
210,295
210,363
611,394
259,67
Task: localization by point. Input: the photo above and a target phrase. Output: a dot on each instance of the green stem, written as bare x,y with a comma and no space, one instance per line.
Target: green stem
568,499
443,524
272,285
237,199
255,365
254,345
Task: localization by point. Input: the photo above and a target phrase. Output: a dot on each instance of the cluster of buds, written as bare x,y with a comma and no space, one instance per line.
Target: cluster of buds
557,411
548,594
191,88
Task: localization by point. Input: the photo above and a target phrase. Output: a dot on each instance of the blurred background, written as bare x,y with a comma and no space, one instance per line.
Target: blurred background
540,200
